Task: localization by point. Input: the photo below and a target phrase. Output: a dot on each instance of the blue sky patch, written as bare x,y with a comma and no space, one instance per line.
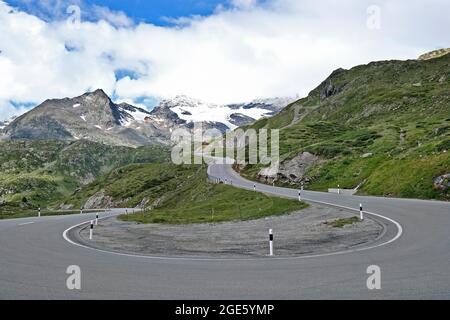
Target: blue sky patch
19,105
149,102
123,73
150,11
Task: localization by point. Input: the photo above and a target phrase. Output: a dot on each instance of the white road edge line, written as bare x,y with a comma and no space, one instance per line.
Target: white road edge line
398,225
397,236
26,223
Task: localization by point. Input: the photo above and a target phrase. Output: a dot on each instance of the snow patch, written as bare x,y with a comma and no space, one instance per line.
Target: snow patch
134,115
192,110
83,117
137,115
76,105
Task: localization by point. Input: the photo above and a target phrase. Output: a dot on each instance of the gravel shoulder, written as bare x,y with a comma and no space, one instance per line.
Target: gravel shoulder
304,232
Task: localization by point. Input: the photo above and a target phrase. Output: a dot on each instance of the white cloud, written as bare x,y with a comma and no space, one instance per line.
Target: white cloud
244,4
283,48
116,18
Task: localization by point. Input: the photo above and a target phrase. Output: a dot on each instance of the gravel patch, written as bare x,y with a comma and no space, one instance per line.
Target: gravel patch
298,233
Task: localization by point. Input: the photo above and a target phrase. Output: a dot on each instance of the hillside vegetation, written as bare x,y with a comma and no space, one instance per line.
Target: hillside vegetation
42,173
179,194
384,126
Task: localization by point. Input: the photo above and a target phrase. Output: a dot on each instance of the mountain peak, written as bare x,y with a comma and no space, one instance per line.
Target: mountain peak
99,93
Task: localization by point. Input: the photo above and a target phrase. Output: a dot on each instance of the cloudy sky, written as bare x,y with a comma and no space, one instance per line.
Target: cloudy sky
219,51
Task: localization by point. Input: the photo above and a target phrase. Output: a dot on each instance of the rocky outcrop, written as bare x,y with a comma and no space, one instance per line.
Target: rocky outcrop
289,171
99,201
328,91
442,182
434,54
239,119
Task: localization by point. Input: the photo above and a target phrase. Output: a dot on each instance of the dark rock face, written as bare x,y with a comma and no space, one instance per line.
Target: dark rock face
239,119
329,90
39,128
163,112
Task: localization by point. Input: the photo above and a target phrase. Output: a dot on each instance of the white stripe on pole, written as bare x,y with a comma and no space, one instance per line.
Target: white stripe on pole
361,213
299,195
271,242
39,212
91,230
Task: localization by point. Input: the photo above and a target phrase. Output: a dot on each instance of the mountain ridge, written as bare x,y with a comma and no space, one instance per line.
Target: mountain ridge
95,117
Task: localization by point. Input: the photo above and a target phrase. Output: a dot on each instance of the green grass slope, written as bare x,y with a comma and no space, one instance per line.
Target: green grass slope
42,173
399,111
181,194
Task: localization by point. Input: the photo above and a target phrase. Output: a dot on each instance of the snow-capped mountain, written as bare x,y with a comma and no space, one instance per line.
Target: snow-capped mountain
183,110
93,116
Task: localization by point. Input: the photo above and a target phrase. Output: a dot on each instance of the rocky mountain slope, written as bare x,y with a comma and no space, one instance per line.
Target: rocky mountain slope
94,117
383,128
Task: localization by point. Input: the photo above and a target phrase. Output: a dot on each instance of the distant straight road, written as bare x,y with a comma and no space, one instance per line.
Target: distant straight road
34,257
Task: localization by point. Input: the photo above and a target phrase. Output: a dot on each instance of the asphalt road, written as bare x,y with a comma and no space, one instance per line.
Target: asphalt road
414,258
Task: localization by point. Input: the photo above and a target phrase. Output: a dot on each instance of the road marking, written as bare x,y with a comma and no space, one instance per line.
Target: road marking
26,223
398,225
397,236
